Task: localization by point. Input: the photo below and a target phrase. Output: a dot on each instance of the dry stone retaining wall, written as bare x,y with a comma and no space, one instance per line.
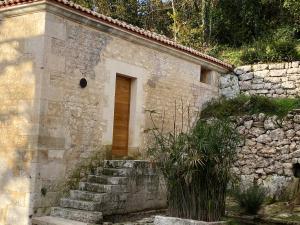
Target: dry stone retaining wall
271,146
270,149
271,80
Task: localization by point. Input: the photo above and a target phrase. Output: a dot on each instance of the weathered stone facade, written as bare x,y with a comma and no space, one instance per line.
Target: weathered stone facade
48,124
271,80
20,76
270,149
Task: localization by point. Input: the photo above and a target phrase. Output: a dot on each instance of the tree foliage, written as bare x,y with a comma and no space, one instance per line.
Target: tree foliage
203,24
152,15
293,6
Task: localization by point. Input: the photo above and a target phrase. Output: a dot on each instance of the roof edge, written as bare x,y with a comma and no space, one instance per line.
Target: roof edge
122,26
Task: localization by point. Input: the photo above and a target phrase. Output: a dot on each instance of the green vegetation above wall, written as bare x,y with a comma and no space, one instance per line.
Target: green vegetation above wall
248,105
238,31
276,46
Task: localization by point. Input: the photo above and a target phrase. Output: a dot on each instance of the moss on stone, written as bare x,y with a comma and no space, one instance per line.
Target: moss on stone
248,105
82,170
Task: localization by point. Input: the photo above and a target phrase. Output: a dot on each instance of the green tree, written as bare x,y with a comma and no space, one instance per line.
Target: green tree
206,20
294,8
155,16
202,24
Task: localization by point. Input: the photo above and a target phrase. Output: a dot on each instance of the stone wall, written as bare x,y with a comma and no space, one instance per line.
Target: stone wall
21,54
271,146
271,80
270,149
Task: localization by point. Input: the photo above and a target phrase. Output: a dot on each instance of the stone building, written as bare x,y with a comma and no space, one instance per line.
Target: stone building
74,83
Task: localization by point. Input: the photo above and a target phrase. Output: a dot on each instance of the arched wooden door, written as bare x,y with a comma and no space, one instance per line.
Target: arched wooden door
121,117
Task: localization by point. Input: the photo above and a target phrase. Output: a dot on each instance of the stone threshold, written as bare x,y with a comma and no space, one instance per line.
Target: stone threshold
51,220
163,220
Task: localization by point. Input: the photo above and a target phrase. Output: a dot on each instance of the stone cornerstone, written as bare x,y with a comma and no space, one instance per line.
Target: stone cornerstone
49,124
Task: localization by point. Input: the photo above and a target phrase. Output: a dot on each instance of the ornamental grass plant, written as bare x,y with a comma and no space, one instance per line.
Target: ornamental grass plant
251,199
196,166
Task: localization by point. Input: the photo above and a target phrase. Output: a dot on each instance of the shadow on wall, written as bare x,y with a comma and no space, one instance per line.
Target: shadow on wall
18,132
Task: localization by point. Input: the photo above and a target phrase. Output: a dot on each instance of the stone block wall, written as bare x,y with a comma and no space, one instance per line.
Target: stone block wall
270,149
271,146
271,80
21,54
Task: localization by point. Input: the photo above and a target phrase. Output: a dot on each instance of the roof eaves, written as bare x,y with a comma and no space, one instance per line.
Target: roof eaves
125,26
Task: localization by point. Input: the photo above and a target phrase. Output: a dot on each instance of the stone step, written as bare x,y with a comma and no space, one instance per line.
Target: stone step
102,188
118,163
51,220
98,171
125,163
80,204
88,196
78,215
91,187
123,172
107,179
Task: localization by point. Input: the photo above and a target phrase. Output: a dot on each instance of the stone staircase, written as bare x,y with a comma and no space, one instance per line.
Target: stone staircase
120,187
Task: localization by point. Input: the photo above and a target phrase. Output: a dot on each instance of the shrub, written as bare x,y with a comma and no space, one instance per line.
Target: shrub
226,53
245,105
250,56
282,45
276,47
251,199
279,45
282,51
196,166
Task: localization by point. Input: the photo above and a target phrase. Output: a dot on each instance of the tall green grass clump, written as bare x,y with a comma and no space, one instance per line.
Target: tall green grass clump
196,166
251,199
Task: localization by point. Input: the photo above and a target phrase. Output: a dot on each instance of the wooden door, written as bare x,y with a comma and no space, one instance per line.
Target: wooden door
121,117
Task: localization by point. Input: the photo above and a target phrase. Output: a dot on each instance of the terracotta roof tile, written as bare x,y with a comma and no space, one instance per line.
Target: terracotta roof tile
124,26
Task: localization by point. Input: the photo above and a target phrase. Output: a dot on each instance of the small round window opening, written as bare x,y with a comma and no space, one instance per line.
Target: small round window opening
296,170
83,83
